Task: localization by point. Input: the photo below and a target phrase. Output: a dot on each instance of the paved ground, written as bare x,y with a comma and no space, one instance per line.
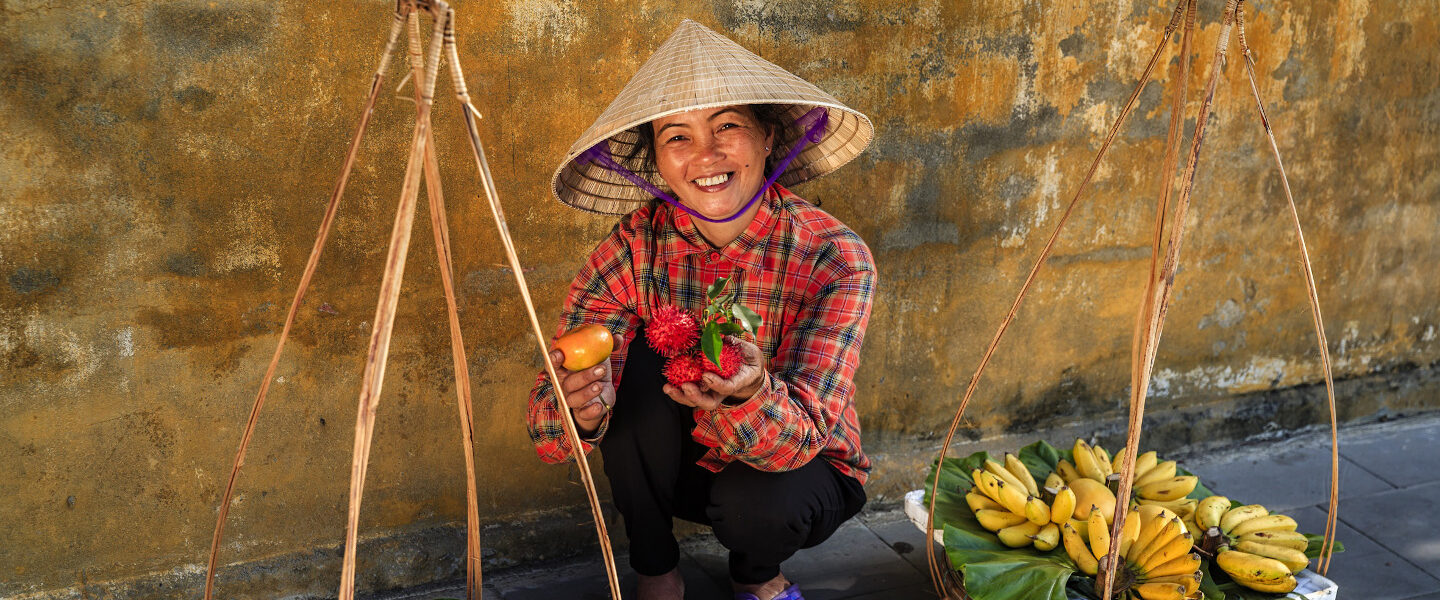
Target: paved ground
1389,513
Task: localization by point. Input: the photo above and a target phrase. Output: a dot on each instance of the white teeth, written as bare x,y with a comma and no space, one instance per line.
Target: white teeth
716,180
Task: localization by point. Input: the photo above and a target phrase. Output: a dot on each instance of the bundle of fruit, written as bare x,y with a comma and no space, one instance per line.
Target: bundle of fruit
1158,552
1000,530
695,346
1258,550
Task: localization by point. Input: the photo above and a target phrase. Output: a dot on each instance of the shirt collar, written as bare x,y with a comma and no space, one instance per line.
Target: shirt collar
682,238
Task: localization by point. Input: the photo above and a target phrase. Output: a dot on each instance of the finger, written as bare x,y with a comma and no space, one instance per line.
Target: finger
674,393
581,397
717,384
591,411
581,379
557,357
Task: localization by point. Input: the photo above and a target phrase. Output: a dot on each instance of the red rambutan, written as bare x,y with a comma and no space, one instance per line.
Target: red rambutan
731,359
672,330
685,368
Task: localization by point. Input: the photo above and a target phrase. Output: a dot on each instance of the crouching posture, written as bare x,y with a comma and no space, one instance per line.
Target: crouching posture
695,153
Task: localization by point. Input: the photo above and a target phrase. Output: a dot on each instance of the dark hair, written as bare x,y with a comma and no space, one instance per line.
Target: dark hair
770,116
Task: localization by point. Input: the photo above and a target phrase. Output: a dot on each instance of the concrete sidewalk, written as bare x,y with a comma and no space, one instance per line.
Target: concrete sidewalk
1389,523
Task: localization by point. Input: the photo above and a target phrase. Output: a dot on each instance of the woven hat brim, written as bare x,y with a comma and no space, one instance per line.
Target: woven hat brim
697,69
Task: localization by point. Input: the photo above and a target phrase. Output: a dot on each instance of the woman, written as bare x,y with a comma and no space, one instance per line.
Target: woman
770,457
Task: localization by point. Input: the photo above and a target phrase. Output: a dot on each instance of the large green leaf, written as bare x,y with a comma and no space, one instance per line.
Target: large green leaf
1006,573
1040,458
1313,550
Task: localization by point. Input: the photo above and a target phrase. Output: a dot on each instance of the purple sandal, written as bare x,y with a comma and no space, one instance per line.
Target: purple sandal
790,593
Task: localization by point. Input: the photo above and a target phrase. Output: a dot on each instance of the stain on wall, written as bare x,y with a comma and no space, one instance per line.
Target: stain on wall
164,167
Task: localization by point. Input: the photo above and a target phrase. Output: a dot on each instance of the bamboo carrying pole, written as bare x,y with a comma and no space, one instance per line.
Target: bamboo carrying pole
1155,301
421,161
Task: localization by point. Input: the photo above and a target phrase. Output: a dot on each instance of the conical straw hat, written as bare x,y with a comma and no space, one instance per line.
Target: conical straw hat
698,68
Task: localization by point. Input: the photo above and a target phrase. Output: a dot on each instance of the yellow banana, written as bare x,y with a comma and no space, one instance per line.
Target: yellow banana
1084,458
1012,498
1209,511
1266,523
1005,475
1103,460
1183,508
1129,532
1099,534
1048,537
1037,511
1251,568
995,520
1177,547
1166,490
1143,463
1294,559
1282,586
1007,495
1162,539
1191,581
1162,471
1188,564
1082,526
1160,591
1018,469
1063,509
1240,514
979,501
1054,481
1067,471
1150,525
1017,536
1078,551
1286,539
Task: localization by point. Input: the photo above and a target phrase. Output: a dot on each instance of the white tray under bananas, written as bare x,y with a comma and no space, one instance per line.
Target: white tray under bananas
1312,586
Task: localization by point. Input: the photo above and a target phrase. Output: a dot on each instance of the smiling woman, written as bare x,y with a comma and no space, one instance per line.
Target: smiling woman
695,153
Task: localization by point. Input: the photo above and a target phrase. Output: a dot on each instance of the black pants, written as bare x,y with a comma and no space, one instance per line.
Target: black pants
761,517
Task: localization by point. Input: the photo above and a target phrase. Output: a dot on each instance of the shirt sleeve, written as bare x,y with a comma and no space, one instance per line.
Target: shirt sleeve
602,292
810,384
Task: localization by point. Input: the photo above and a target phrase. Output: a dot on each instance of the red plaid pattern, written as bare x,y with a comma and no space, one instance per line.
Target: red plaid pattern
808,276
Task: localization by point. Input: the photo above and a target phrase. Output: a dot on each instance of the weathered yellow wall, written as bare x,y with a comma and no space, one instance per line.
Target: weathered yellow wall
164,166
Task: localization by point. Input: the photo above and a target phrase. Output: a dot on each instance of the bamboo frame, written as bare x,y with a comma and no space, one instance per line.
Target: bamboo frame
421,161
1155,302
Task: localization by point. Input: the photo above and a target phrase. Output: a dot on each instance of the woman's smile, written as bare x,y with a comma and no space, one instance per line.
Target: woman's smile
714,159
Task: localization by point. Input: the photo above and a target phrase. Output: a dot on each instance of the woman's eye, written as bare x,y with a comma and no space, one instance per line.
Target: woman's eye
724,126
676,138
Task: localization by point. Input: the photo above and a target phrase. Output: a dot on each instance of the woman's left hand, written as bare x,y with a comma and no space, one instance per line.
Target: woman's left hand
712,389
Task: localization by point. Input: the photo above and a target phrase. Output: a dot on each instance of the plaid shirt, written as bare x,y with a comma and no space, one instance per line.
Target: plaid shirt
809,277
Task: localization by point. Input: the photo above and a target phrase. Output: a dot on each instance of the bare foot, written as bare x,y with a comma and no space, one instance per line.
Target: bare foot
670,586
765,591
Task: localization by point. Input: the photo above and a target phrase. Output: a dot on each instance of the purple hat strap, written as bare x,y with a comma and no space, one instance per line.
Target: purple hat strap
812,122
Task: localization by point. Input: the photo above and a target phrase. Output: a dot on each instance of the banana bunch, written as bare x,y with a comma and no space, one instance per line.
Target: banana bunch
1160,563
1258,550
1155,483
1007,501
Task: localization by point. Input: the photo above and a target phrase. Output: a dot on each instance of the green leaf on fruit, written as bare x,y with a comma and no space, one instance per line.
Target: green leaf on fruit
747,318
713,291
711,342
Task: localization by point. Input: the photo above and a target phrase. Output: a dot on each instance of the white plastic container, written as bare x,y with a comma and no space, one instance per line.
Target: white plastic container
1311,585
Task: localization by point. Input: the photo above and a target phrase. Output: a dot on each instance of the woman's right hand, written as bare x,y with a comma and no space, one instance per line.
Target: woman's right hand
589,393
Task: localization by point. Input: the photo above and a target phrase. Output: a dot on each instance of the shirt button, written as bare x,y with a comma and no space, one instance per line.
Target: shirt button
712,257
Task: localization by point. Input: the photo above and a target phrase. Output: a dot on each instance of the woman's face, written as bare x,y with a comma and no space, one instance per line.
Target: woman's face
714,158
